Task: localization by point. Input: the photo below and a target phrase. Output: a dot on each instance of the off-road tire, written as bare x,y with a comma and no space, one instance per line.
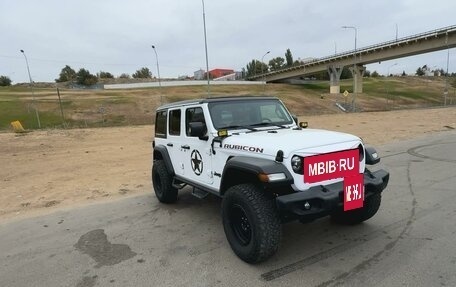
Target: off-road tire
162,182
261,218
352,217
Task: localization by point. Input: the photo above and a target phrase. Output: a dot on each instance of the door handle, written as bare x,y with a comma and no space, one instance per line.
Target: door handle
185,146
169,144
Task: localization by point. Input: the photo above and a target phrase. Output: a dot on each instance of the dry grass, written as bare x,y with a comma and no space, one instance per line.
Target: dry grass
93,108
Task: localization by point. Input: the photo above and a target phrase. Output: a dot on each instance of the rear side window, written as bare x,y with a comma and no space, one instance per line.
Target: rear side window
175,122
160,124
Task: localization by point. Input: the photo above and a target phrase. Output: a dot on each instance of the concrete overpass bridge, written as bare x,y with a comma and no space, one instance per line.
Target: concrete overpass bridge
431,41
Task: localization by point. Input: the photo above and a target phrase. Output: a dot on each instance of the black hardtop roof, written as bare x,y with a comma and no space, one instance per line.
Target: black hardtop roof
216,99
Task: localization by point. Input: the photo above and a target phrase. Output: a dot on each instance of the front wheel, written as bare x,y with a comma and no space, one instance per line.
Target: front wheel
370,208
251,223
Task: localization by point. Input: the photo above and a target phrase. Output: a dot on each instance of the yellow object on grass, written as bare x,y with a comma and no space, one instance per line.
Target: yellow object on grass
17,127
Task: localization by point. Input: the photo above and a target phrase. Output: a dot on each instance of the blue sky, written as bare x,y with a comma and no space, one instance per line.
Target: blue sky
116,36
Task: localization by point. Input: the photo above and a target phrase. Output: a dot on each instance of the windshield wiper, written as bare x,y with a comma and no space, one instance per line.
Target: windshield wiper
238,127
266,124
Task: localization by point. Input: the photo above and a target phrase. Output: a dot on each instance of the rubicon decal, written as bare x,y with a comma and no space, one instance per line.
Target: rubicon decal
330,166
243,147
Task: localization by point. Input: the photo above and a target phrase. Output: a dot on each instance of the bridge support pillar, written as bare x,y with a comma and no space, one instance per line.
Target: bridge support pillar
334,79
358,73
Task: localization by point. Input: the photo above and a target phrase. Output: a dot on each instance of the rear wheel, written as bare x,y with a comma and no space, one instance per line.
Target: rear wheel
370,208
162,182
251,223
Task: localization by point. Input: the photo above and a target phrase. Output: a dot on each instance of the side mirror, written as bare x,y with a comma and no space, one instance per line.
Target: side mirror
198,129
371,156
303,125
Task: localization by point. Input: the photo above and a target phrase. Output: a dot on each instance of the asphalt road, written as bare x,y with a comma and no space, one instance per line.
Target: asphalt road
139,242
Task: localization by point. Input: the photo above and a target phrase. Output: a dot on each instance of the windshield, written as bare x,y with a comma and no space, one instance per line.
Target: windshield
244,114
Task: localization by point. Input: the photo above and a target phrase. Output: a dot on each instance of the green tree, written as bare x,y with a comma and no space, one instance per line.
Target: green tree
255,67
143,73
105,75
276,63
85,78
124,76
321,76
66,75
420,72
5,81
375,74
346,74
289,58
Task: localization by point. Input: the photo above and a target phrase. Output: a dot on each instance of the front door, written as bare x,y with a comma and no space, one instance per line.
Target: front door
196,152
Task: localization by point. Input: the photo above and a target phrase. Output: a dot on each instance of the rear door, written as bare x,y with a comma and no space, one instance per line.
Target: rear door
175,140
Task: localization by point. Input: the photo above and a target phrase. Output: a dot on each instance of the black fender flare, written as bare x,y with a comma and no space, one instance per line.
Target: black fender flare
161,153
252,167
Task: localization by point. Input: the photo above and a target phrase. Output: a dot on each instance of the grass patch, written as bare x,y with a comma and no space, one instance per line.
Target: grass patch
24,112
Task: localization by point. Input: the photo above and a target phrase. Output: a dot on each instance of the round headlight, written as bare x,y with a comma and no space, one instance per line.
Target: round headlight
296,163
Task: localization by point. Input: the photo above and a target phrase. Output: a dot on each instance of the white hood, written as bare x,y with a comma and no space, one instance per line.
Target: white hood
301,142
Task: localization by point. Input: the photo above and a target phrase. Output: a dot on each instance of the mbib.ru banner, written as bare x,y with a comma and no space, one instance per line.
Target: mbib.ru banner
331,165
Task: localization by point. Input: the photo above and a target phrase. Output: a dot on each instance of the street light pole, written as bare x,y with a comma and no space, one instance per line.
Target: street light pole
31,87
388,73
354,63
396,31
262,74
356,35
158,67
262,59
158,73
445,93
205,46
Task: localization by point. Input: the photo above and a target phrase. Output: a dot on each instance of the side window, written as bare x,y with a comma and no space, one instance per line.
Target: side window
174,122
160,124
193,115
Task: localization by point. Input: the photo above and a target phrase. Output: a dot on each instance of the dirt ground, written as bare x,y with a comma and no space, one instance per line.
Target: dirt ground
47,170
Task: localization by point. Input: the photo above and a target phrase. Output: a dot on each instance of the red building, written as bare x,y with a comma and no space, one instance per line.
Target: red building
217,73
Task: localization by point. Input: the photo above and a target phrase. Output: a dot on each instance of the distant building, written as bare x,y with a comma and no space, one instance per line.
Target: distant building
199,75
223,74
217,73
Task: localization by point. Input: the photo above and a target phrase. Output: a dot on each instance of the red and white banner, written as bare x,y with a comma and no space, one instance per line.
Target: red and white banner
343,164
353,192
331,165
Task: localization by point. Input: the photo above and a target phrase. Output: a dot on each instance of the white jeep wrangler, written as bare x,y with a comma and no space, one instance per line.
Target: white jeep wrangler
267,169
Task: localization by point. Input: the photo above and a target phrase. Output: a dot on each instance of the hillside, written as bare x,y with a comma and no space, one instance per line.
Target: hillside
93,108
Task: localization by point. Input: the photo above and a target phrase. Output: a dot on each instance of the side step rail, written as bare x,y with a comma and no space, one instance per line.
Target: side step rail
178,184
199,193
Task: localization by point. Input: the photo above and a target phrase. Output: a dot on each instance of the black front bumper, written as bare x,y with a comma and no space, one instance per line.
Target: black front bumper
322,200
